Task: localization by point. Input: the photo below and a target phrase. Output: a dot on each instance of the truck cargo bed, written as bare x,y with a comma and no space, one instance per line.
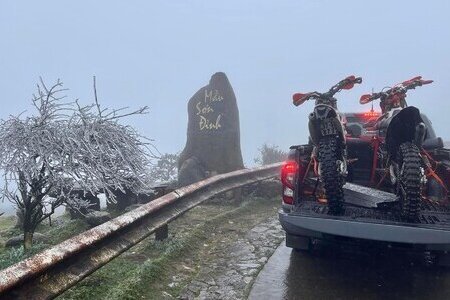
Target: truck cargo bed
370,214
431,215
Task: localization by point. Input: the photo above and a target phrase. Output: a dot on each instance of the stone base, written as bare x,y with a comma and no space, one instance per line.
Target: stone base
191,171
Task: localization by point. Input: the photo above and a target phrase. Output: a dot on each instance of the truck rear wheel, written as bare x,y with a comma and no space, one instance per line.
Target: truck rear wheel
329,155
409,180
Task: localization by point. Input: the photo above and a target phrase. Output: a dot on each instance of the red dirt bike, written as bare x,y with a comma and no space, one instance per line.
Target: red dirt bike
403,146
327,133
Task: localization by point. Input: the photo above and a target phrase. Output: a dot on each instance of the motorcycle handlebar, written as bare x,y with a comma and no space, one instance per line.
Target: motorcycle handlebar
299,98
416,83
369,97
401,88
347,83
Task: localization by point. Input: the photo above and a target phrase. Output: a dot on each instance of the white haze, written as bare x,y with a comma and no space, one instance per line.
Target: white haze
159,53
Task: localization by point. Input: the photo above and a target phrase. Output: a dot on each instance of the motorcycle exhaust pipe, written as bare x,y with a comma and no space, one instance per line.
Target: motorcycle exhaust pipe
419,135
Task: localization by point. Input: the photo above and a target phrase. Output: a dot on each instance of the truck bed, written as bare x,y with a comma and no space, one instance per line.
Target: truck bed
369,215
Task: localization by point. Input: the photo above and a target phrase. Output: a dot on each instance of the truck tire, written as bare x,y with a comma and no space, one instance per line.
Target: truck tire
409,180
333,181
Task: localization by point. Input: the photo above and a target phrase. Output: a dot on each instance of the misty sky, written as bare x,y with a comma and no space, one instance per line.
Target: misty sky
159,53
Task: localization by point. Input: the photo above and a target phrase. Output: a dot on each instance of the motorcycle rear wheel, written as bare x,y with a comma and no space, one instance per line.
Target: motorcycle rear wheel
409,177
331,176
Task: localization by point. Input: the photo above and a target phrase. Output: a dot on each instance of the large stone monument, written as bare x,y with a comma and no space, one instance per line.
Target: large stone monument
213,135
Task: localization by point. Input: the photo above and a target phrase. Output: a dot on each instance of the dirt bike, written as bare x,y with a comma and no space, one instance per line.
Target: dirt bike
327,133
400,133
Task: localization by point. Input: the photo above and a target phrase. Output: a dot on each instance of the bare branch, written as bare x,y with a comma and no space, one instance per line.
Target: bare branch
66,147
96,99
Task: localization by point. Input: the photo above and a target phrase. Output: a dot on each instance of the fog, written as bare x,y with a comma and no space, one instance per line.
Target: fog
159,53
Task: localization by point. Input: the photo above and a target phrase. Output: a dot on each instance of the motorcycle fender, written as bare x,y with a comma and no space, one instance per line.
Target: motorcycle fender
323,111
316,133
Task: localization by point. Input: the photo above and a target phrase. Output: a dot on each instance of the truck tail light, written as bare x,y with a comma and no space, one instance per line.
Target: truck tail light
288,171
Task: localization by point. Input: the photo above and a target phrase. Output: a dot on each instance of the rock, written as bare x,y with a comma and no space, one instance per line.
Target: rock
248,279
203,295
167,295
213,134
251,272
263,259
18,240
95,218
190,171
14,241
248,265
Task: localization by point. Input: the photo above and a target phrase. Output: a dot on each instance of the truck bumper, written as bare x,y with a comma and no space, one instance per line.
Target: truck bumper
429,238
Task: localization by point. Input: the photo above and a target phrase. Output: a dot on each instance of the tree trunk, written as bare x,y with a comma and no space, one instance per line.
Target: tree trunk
27,240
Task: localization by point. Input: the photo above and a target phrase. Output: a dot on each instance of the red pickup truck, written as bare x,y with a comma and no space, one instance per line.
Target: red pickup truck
370,213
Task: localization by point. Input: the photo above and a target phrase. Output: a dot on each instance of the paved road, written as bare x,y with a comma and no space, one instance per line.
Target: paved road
336,273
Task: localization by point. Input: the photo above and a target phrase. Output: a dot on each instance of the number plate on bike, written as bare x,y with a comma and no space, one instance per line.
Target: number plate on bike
327,127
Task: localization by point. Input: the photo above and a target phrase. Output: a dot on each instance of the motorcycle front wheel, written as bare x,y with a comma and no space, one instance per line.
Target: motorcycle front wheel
331,174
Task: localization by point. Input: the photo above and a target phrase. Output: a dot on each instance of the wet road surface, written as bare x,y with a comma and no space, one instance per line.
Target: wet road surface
331,272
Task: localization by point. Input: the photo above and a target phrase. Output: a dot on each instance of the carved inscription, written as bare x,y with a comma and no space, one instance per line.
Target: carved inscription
208,120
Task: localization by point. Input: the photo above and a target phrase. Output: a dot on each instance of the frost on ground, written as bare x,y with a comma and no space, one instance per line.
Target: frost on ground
214,251
230,274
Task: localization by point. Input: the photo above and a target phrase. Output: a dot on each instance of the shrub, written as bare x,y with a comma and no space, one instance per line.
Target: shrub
269,154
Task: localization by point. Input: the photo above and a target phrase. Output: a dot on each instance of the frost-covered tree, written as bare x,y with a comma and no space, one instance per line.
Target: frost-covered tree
269,154
165,168
64,146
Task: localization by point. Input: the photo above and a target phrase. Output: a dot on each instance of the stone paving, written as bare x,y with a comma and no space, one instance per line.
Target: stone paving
231,273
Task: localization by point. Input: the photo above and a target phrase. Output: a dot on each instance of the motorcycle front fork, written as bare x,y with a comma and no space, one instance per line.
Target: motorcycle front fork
394,172
342,164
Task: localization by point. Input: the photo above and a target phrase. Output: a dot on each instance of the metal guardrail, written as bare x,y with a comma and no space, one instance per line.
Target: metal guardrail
53,271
